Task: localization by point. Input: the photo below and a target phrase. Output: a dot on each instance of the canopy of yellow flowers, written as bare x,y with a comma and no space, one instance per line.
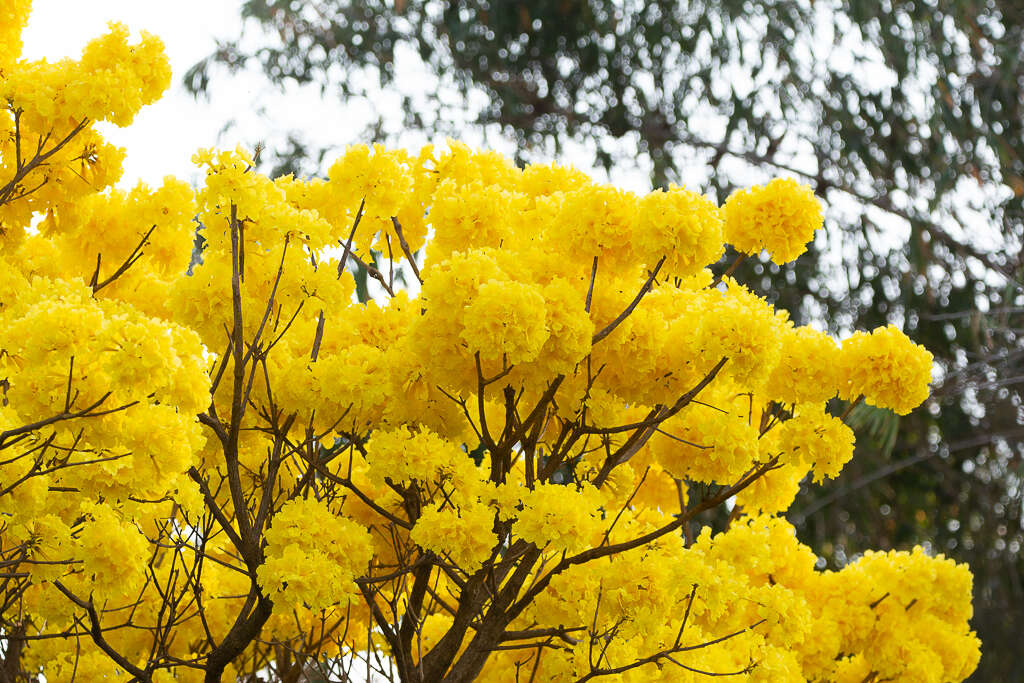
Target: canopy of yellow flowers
501,473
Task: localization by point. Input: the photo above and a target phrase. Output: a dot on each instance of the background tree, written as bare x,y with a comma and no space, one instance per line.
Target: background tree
906,117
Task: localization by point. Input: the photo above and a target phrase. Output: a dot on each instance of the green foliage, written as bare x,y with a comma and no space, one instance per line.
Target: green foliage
882,427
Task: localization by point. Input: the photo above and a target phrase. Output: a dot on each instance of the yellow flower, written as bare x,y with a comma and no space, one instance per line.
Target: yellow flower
780,217
888,369
681,226
813,438
313,556
506,320
13,17
560,518
465,534
807,369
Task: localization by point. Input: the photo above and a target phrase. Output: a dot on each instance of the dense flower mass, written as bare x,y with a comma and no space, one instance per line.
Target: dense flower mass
235,470
779,217
886,368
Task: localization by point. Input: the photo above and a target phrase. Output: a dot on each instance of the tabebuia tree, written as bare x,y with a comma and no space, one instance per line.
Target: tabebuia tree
505,473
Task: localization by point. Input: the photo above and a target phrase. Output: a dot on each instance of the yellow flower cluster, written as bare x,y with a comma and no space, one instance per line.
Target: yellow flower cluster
780,217
560,518
687,223
403,457
465,536
809,625
885,367
815,439
13,16
393,184
807,366
113,553
111,82
520,451
141,379
305,565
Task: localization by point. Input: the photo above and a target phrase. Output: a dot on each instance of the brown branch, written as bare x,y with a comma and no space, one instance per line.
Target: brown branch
405,248
246,627
96,633
318,337
562,633
91,411
351,235
610,327
645,430
485,435
668,654
683,401
215,510
686,615
237,395
849,409
732,269
123,268
374,273
369,502
413,616
636,489
36,471
538,411
270,306
398,573
7,190
369,597
263,511
590,288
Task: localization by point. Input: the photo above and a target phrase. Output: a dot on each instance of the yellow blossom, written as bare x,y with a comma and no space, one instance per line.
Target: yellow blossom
888,369
780,217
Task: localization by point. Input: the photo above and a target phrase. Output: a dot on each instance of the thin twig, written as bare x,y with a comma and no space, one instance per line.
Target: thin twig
732,269
405,248
590,288
610,327
849,409
318,338
128,263
351,235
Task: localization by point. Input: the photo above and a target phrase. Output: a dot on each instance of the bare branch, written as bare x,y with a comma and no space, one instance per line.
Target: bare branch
405,248
351,235
729,271
590,288
610,327
128,263
96,633
7,191
91,411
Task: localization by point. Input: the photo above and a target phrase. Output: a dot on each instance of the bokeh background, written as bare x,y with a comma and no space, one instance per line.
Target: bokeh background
905,116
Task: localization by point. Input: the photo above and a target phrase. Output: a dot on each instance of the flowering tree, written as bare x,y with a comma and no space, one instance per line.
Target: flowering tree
239,474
